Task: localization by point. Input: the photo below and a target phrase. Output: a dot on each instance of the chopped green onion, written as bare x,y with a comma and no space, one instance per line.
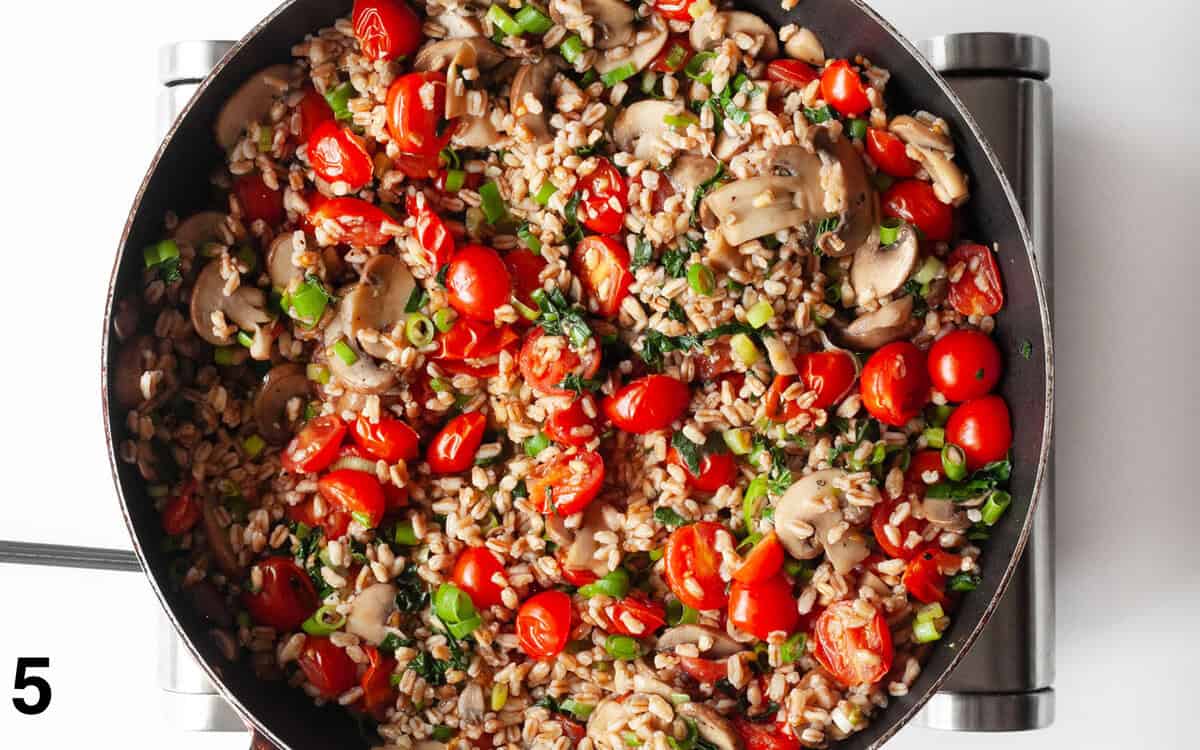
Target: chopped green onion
493,204
963,582
419,330
499,695
253,445
405,535
571,49
501,20
997,502
159,252
889,231
614,584
857,128
344,352
532,20
339,101
935,437
929,270
618,74
793,648
245,339
744,349
536,444
442,733
309,300
761,314
752,501
224,355
798,569
324,621
700,279
680,121
676,56
452,604
818,116
925,632
454,180
363,519
679,613
938,415
622,647
954,462
678,699
317,373
545,192
930,612
631,739
695,67
577,709
444,318
738,440
524,310
526,235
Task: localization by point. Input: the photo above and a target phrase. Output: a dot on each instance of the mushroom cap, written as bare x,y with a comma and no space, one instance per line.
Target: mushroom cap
280,268
917,133
805,46
877,271
891,322
250,103
365,375
815,501
722,645
711,726
218,539
458,26
854,193
754,207
949,182
708,30
281,384
533,78
127,371
649,41
369,612
690,171
639,127
612,21
472,51
200,229
379,298
579,545
476,131
246,306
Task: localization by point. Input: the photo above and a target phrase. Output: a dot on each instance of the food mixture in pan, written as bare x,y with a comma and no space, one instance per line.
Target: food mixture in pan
603,375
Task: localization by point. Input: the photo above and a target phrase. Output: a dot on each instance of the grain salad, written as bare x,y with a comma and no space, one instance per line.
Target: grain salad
591,374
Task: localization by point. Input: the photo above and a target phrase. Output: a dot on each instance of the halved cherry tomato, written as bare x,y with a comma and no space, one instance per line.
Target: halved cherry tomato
182,511
923,576
602,265
922,463
545,361
854,654
337,154
544,624
964,364
567,484
914,202
763,562
474,339
717,470
333,524
704,671
649,614
774,407
386,29
328,668
889,153
572,730
314,110
315,446
648,404
765,735
287,596
477,282
578,576
453,449
572,425
434,236
418,166
604,198
978,291
415,127
982,427
525,270
881,517
763,607
794,73
473,573
674,56
693,565
843,89
378,693
389,439
676,10
257,200
895,383
351,220
356,492
830,373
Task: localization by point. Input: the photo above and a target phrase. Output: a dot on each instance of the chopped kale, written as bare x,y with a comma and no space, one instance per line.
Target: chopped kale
411,593
668,517
691,453
643,253
675,312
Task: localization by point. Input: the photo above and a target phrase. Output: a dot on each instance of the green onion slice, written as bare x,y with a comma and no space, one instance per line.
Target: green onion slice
889,231
793,648
614,584
935,437
618,74
579,710
405,535
159,252
679,613
744,349
444,319
253,445
324,621
317,373
695,67
571,49
676,57
533,20
452,605
857,128
752,501
309,300
545,192
492,204
454,180
530,239
344,352
954,462
994,507
622,647
419,330
925,632
536,444
700,279
501,20
760,314
339,101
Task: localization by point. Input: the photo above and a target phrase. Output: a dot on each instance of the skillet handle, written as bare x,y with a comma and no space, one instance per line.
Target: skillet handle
65,556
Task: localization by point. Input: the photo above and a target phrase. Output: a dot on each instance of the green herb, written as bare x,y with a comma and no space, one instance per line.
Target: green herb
675,262
411,593
416,300
1026,348
547,703
559,318
669,517
531,240
521,490
579,384
338,98
580,711
818,116
703,188
779,476
963,582
591,148
829,224
691,453
676,312
643,253
979,483
574,232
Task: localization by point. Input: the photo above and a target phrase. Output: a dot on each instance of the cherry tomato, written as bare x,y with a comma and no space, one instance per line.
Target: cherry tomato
674,56
434,236
854,654
567,484
389,439
415,128
648,404
314,110
473,573
649,614
602,265
964,364
545,361
914,202
181,512
525,270
717,470
453,449
474,339
843,89
356,492
337,154
578,576
895,383
774,407
693,565
572,424
316,446
889,154
477,282
676,10
922,463
763,562
830,373
544,624
763,607
881,517
794,73
257,200
978,291
287,596
765,735
982,427
704,671
351,220
923,576
334,523
328,668
378,693
418,166
386,29
604,198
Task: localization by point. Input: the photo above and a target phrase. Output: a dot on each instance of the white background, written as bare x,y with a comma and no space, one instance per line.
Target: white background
79,88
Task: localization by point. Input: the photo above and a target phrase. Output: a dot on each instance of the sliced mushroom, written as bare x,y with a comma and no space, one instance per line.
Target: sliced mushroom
281,384
949,182
728,146
711,726
579,545
218,540
127,371
533,79
914,132
280,268
476,131
458,26
891,322
639,128
944,513
246,307
612,21
805,46
858,201
805,515
878,271
750,208
379,298
719,254
369,612
363,374
648,42
721,644
198,230
781,359
468,52
710,29
250,103
690,171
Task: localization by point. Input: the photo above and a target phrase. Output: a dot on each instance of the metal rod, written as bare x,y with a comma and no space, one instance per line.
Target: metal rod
65,556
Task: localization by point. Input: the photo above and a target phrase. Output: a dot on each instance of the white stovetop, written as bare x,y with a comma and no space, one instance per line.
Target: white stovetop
1127,159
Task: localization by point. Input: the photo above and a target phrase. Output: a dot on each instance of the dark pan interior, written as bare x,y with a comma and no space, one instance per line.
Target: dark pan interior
178,181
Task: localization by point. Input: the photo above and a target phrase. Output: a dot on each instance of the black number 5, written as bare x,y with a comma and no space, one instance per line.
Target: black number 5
24,680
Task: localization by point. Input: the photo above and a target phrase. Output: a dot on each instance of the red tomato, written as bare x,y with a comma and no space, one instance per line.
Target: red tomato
978,291
351,220
717,470
604,199
895,383
474,339
477,282
964,364
853,654
333,525
763,607
572,425
415,128
525,270
982,427
674,56
389,439
545,361
287,596
676,10
434,237
544,624
651,615
704,671
914,202
774,407
763,562
418,166
830,373
889,154
386,29
316,446
337,154
794,73
327,667
378,693
356,492
880,518
602,265
693,565
453,449
578,576
314,110
923,576
395,497
182,511
567,484
257,200
473,573
842,89
765,735
648,404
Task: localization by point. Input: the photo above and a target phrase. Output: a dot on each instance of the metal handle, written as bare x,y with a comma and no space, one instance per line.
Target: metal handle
65,556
